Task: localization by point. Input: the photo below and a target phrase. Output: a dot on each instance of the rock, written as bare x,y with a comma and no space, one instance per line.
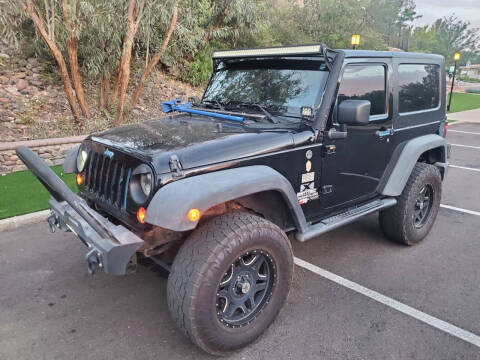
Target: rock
3,80
32,61
31,90
21,75
21,84
36,82
4,56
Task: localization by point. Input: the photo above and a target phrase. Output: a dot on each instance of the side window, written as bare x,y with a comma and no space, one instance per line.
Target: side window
365,82
419,87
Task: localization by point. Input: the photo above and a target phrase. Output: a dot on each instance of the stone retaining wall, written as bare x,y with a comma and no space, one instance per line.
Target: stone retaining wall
51,154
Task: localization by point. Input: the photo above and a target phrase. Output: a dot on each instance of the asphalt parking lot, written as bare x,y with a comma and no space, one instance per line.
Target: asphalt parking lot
386,301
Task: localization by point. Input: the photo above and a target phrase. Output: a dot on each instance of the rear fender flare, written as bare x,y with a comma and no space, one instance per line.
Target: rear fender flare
170,205
404,159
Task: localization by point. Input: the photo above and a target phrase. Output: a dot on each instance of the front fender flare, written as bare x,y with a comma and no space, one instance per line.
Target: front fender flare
169,206
70,162
404,159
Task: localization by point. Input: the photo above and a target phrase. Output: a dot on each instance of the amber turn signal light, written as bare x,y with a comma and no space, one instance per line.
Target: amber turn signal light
193,214
80,179
141,213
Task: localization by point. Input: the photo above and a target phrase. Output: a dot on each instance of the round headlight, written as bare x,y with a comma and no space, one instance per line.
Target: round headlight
81,159
146,183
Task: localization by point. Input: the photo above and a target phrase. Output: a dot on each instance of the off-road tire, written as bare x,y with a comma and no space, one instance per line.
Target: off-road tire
198,269
397,222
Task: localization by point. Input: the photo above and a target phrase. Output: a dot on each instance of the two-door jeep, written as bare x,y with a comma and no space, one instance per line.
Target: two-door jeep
286,140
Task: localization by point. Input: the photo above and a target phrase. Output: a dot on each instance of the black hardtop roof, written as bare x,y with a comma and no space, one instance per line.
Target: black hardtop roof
391,54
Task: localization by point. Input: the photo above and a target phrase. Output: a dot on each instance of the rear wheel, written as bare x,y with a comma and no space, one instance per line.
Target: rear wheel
229,281
410,220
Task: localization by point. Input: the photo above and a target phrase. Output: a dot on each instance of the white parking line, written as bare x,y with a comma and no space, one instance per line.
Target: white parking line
463,132
471,212
463,167
466,146
394,304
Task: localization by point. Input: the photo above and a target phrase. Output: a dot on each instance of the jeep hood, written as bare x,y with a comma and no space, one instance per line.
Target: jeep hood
195,140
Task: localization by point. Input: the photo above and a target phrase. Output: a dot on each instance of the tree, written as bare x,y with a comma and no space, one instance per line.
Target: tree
30,10
155,59
454,35
134,16
423,39
72,54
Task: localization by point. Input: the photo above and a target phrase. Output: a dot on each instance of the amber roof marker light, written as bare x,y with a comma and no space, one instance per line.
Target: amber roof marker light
355,41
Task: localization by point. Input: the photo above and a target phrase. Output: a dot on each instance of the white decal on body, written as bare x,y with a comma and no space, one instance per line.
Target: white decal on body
308,177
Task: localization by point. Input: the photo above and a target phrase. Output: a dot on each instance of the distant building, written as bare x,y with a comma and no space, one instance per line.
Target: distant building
472,71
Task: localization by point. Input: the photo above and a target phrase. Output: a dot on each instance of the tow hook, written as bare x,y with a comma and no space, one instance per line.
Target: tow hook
52,222
93,261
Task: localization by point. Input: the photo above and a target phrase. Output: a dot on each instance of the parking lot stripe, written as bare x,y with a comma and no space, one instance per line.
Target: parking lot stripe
392,303
463,167
464,132
466,146
471,212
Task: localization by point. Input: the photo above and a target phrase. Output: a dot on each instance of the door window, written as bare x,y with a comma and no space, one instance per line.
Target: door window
365,82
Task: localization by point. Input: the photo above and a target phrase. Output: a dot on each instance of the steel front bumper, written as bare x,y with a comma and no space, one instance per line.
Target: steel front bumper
113,255
111,246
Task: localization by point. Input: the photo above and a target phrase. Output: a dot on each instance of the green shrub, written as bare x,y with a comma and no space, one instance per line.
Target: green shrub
199,70
473,91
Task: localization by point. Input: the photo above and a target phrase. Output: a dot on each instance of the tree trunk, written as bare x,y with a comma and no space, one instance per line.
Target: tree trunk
132,26
73,60
155,59
215,27
104,89
28,7
118,78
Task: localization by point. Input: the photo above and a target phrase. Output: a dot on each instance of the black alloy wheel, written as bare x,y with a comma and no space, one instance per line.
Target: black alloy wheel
423,205
245,288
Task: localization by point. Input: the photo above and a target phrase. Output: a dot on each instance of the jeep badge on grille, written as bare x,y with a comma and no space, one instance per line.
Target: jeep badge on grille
108,153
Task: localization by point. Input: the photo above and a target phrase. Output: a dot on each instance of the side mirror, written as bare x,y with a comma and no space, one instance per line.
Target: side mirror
354,112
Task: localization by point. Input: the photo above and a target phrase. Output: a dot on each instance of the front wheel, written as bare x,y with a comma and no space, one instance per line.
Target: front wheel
410,220
229,281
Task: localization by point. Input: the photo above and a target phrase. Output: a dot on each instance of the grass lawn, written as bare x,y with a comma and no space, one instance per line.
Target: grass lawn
22,193
462,102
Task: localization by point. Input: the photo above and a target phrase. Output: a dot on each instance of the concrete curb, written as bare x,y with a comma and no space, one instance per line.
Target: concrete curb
461,122
21,220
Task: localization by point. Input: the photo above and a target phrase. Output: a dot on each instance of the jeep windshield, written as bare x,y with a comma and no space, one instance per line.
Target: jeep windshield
281,86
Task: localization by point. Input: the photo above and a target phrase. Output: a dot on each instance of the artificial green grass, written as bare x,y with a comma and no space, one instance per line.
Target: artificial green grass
21,192
462,102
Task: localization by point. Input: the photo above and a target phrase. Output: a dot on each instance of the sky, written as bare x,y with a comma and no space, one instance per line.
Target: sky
466,10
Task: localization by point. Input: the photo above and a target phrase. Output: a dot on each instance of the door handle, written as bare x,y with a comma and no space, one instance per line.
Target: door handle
382,133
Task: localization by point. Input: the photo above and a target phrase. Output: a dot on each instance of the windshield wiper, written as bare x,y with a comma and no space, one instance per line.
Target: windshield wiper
272,118
214,102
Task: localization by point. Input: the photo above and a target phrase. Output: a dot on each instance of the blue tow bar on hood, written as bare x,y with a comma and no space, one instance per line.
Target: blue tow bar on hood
176,105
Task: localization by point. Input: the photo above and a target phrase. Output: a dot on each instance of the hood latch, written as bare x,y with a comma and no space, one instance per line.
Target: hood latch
175,166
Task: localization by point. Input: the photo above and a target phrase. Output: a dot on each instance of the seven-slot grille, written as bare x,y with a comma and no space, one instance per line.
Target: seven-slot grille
107,178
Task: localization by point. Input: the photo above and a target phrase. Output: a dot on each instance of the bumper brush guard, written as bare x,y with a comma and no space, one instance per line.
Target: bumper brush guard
111,246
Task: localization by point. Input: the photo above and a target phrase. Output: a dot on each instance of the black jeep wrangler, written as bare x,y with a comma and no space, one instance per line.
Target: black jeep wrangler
286,140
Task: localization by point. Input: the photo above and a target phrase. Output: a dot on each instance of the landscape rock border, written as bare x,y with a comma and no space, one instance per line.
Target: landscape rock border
52,151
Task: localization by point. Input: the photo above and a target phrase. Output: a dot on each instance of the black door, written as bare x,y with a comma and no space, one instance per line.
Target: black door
354,165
